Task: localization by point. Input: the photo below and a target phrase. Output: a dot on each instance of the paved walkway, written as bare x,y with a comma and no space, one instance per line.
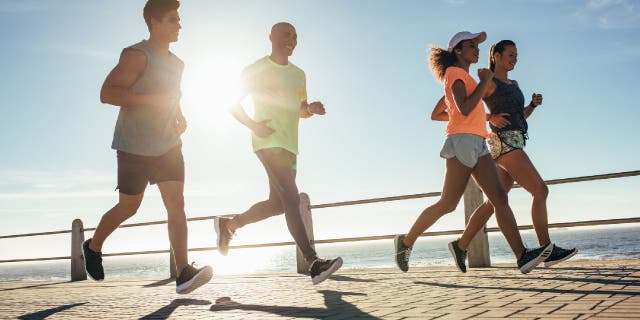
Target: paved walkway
574,290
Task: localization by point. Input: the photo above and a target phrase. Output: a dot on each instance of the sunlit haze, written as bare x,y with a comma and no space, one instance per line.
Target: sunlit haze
365,60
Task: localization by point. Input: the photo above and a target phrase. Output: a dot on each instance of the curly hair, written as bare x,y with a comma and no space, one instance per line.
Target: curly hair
440,59
156,9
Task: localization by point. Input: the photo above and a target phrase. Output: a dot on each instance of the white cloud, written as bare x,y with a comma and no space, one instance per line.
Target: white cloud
610,14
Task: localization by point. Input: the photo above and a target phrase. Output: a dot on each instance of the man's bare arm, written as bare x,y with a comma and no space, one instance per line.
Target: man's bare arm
116,89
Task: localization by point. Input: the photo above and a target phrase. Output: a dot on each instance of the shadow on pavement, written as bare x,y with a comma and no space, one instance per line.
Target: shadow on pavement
166,311
160,283
351,279
595,268
35,286
586,280
458,286
333,300
46,313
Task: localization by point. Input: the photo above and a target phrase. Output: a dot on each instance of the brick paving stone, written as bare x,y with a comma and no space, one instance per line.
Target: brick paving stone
499,313
574,290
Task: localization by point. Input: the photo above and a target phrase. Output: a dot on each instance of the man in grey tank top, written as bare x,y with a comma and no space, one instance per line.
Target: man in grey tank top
145,85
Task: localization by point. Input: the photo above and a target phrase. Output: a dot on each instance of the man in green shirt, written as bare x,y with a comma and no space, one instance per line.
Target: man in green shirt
279,93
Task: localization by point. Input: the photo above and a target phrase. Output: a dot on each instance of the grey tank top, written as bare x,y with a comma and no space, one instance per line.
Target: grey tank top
508,98
149,130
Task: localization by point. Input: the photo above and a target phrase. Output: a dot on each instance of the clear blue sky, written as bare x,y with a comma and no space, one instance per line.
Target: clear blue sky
366,60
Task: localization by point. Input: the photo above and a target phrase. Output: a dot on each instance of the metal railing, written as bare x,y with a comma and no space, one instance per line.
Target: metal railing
478,250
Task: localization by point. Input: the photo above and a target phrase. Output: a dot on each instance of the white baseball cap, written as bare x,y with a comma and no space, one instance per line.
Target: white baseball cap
466,35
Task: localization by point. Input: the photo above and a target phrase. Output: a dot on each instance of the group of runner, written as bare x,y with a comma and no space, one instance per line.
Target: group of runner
145,85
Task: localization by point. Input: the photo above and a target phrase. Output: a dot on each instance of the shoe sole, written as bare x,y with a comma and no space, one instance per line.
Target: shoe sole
325,274
455,258
216,223
395,248
533,263
85,264
196,282
552,263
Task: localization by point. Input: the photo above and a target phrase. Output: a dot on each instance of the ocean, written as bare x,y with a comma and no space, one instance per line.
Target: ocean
593,243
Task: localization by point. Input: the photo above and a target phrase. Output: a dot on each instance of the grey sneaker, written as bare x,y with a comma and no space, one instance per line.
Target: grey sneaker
459,256
192,278
532,257
403,252
558,255
321,269
224,235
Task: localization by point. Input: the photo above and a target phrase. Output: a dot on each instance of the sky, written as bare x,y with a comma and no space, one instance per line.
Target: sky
365,60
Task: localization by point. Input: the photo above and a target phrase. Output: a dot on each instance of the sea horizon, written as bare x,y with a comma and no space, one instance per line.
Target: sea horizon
593,243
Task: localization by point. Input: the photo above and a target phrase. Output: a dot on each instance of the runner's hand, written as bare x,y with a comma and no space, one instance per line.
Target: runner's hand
261,129
317,108
485,74
536,99
499,120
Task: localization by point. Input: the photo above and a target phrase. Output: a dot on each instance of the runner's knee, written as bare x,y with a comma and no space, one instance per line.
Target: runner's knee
499,199
447,206
541,191
129,208
275,204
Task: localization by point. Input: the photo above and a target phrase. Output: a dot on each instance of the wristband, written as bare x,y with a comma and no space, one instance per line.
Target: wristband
308,109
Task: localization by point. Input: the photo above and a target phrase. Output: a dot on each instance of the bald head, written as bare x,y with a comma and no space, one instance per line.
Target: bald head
282,27
283,39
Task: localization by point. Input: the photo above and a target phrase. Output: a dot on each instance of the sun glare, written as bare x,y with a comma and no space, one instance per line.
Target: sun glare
245,261
211,87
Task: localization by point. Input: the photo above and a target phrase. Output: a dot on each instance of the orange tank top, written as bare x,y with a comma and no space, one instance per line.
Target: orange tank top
476,121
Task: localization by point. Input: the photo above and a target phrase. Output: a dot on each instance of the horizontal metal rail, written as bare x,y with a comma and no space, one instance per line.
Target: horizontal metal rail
435,194
353,239
130,225
347,203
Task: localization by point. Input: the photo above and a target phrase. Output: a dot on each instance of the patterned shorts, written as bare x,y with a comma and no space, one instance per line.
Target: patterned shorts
505,142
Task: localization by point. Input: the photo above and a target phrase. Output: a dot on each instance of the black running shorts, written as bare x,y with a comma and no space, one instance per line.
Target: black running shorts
135,171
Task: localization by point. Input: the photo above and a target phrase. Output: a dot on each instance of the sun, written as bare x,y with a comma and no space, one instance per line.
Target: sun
210,87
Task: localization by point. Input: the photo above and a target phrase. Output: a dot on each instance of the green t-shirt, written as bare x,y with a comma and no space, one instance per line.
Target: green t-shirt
277,91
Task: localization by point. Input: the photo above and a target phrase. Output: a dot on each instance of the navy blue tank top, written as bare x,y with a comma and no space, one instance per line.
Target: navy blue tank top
507,98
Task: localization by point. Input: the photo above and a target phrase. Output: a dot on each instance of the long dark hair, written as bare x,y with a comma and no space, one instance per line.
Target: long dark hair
498,48
440,59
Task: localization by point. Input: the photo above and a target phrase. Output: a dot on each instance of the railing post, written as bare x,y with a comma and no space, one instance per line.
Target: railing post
305,213
173,273
78,271
478,251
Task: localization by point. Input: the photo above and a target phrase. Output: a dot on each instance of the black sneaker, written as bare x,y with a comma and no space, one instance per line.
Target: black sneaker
192,278
402,253
532,257
459,256
321,269
92,262
224,235
558,255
